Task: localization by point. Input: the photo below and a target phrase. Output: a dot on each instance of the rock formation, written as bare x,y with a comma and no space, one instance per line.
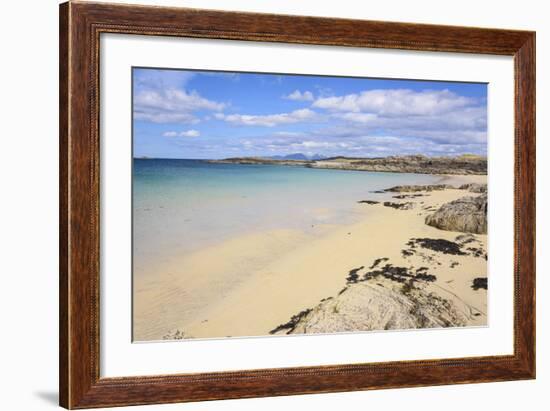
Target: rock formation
465,164
380,304
474,187
415,188
399,206
467,214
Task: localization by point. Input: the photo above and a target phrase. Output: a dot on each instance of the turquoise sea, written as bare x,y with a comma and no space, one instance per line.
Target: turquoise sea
183,205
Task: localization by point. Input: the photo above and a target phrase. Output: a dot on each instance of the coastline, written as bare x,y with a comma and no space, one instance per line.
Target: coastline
466,164
293,271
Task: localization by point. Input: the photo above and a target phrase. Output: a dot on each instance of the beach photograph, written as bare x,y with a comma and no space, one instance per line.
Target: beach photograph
268,205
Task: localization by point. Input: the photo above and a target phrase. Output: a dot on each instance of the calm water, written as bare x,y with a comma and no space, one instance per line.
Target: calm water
182,205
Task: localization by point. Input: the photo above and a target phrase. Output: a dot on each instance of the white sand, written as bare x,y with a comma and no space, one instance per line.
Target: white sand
250,284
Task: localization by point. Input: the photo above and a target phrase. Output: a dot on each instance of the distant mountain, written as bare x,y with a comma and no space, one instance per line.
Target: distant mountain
298,156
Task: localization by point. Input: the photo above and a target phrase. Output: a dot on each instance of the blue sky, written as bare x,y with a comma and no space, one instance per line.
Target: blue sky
201,114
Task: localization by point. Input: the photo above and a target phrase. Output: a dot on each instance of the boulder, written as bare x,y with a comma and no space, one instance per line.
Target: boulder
474,187
467,215
381,304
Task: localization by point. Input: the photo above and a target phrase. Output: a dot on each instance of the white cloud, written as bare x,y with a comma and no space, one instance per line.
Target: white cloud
363,144
396,102
288,133
363,118
459,125
269,120
468,118
190,133
186,133
156,116
297,95
171,106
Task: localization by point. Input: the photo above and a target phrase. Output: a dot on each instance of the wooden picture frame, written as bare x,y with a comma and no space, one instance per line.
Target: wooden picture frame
80,27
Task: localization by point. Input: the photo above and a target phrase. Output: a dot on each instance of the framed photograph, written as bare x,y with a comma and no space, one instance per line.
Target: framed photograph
258,205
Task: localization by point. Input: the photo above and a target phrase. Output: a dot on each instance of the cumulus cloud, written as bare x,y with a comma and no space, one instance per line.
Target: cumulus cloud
440,117
171,106
469,118
269,120
186,133
363,118
374,122
297,95
395,102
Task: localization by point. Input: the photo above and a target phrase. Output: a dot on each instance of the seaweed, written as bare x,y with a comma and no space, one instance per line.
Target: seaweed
353,276
378,261
479,282
439,244
291,324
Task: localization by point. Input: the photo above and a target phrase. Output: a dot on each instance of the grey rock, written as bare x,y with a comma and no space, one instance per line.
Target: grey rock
381,304
399,206
415,188
467,215
474,187
466,239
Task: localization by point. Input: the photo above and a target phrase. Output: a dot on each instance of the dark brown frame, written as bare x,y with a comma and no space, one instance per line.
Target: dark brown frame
80,27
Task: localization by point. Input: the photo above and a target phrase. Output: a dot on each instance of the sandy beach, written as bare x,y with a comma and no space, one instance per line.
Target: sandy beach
249,285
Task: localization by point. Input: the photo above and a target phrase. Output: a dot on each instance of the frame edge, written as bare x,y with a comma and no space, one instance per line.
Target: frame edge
525,186
79,382
64,380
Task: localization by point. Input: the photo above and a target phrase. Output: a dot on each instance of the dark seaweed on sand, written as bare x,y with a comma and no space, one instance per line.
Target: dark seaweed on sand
378,261
353,276
400,274
480,282
439,244
291,324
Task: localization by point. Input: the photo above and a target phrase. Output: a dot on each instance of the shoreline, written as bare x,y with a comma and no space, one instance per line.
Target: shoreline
467,164
295,272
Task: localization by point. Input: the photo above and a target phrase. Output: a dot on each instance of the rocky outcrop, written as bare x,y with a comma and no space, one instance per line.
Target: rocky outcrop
261,161
399,206
403,196
474,187
466,164
467,215
416,188
388,296
419,164
380,304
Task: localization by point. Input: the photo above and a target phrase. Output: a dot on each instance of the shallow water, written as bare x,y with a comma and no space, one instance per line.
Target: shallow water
183,205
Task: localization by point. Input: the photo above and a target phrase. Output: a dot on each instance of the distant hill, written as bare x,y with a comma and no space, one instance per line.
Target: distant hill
464,164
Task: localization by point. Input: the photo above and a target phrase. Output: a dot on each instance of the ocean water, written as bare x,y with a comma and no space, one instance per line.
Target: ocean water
182,205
